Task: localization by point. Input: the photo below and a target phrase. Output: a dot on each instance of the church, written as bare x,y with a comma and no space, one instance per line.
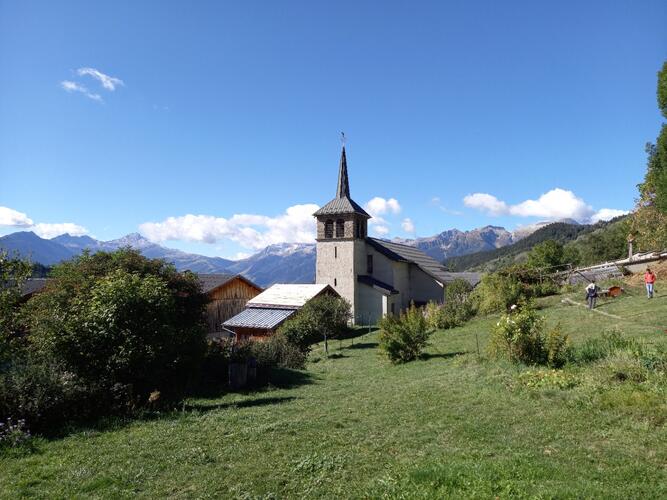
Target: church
377,277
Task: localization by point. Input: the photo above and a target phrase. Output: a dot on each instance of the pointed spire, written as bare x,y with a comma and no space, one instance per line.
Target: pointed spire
343,190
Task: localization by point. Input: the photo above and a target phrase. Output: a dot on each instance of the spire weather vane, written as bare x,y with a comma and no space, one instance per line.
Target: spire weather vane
342,138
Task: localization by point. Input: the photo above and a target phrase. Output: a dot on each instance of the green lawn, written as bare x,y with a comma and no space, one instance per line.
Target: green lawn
355,426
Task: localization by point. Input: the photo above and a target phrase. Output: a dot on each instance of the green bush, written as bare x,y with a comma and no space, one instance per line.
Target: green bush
404,338
129,325
457,309
277,351
323,318
609,343
519,336
497,292
45,397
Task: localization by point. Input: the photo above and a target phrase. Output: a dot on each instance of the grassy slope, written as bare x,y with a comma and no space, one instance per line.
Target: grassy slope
357,426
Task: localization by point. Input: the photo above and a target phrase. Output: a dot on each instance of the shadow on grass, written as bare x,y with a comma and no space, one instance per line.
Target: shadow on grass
248,403
442,355
363,345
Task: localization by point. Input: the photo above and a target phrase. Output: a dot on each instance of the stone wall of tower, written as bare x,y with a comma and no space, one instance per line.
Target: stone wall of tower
335,266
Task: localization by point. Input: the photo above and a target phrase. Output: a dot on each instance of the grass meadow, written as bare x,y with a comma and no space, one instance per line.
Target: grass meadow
454,424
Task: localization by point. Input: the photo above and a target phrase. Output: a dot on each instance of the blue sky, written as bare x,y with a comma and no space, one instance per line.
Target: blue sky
214,126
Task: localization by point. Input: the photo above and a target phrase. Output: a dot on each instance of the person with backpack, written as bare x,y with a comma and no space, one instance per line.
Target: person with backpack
649,280
592,294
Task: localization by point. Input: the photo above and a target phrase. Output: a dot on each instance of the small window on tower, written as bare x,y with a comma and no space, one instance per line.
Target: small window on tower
369,264
335,282
340,228
335,252
328,229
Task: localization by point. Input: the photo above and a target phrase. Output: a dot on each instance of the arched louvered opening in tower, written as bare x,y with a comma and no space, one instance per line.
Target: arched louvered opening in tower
340,228
328,229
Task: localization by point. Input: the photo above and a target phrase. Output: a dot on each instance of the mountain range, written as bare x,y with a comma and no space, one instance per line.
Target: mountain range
279,263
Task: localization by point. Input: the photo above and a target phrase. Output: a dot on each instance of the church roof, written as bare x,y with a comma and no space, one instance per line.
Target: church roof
407,253
342,203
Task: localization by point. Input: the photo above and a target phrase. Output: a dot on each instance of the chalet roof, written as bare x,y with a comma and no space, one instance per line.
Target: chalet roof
291,296
259,317
342,203
406,253
210,282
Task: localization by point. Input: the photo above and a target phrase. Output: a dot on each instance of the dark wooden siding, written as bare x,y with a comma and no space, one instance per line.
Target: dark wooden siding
228,300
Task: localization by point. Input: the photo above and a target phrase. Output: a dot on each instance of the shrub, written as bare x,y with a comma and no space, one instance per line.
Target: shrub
13,434
45,397
404,338
322,318
123,323
557,345
457,309
518,336
497,292
607,344
277,351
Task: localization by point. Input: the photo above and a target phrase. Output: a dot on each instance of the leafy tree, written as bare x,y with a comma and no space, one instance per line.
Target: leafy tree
13,274
497,292
650,218
121,321
548,255
322,318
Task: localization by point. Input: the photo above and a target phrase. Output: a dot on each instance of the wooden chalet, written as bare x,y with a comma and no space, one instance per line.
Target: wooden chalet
228,294
264,313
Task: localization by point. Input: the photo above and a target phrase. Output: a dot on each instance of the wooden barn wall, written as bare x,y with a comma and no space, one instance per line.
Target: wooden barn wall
227,301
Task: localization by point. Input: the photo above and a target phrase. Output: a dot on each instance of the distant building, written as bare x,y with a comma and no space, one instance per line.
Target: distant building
378,277
264,313
228,294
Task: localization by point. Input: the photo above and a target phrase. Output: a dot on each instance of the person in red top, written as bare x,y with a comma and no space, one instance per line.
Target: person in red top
649,279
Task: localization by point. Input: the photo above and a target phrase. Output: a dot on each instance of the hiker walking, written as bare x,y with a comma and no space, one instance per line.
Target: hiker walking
649,279
591,294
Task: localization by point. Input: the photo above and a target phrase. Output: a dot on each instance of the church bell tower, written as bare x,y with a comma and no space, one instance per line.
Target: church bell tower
341,239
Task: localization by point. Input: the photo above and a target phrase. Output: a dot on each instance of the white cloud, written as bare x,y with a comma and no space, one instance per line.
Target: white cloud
48,231
380,206
407,225
437,202
296,225
13,218
241,255
486,203
607,214
380,230
9,217
71,86
556,204
108,82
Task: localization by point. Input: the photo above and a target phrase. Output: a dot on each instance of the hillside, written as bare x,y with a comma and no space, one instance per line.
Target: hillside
449,426
493,259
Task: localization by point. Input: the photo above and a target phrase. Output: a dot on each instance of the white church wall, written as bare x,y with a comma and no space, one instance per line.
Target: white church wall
370,305
424,288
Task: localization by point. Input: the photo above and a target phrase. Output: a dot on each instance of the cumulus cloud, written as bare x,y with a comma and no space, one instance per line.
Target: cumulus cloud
70,86
108,82
380,230
13,218
607,214
48,231
407,225
296,225
553,205
486,203
380,206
